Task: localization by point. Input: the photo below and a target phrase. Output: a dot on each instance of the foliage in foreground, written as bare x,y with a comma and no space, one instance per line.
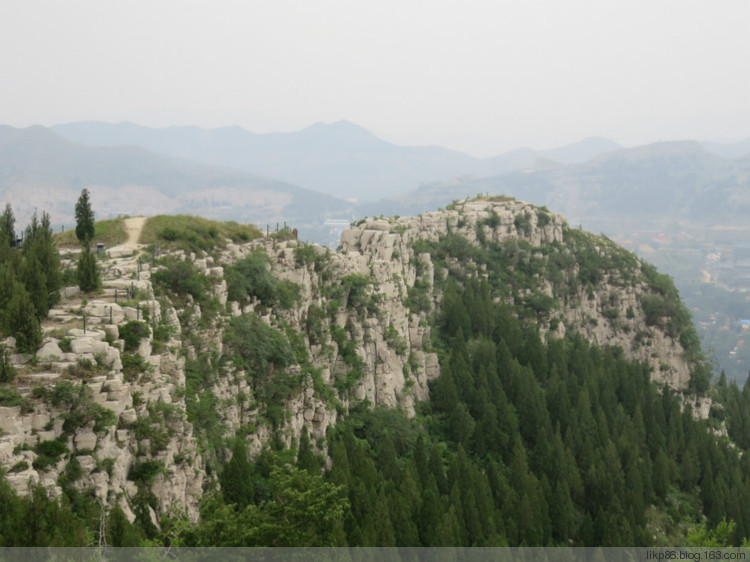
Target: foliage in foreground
30,281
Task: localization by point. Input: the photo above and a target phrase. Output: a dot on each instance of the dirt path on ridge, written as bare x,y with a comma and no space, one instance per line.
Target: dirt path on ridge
134,227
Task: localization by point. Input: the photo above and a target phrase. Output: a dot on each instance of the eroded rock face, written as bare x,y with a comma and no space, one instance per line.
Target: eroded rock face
610,314
363,315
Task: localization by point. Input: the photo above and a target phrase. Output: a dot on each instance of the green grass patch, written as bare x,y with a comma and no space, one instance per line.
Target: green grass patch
110,232
184,232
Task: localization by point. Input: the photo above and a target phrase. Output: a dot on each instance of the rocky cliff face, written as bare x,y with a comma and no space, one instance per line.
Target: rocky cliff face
360,327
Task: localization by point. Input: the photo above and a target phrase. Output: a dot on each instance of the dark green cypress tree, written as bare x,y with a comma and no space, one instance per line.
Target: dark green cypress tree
84,219
562,512
387,460
40,244
8,226
403,524
35,281
448,530
305,457
7,288
384,534
429,517
120,531
661,477
420,460
461,425
237,478
436,469
23,321
88,272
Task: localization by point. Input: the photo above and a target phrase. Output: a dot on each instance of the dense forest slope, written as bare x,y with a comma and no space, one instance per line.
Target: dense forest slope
479,375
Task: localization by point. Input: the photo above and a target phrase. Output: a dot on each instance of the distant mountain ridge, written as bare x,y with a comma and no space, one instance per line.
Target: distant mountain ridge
41,169
594,178
341,159
668,180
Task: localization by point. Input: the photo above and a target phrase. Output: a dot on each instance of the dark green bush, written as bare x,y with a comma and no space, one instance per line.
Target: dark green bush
146,471
251,277
314,324
257,346
49,454
133,365
9,397
181,278
132,333
356,288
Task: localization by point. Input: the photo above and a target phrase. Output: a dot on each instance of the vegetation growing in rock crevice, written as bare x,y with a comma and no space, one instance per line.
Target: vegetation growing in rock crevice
82,410
264,354
250,277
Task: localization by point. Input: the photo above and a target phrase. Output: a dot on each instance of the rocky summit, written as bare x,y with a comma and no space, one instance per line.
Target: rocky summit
136,388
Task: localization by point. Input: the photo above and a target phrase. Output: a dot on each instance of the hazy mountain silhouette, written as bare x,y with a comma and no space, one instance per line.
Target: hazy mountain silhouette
728,150
670,180
39,168
341,159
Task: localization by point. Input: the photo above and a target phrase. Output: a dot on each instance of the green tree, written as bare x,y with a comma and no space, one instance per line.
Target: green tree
7,370
7,226
39,245
33,277
302,510
257,347
89,278
305,456
236,480
720,536
84,219
22,320
120,532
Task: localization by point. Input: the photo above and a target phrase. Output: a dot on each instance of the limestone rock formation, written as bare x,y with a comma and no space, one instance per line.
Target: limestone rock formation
360,329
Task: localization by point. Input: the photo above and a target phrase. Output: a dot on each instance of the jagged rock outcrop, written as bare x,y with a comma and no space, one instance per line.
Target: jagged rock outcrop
363,317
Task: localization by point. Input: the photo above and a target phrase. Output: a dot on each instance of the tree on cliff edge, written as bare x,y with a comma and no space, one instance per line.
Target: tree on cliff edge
88,272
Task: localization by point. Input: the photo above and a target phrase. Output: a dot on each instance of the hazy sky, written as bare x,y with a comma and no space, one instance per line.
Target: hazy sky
482,77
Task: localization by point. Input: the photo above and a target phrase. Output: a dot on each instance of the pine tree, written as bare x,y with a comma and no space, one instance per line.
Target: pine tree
120,531
305,456
236,480
7,226
84,219
35,281
39,245
22,321
89,278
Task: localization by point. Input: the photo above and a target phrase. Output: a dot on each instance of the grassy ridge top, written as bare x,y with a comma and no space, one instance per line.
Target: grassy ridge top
192,233
111,232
